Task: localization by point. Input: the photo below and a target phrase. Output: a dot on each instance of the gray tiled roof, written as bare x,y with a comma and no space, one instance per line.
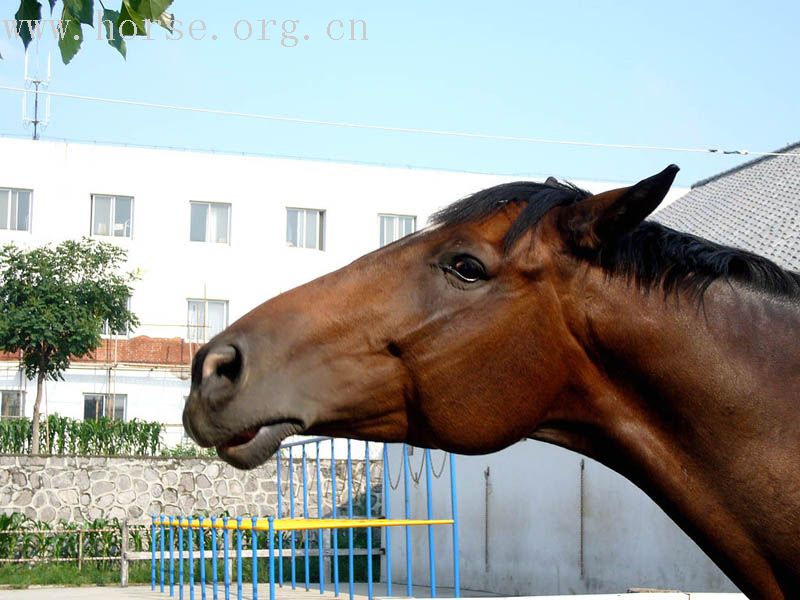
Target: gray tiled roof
755,206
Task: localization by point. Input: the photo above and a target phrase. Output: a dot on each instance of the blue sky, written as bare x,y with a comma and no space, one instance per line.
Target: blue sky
686,73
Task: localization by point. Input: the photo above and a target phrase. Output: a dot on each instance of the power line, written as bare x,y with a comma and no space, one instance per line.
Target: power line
391,129
348,161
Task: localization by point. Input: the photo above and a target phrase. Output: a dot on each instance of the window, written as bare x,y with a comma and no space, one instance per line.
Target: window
15,209
210,222
108,332
13,403
305,228
112,216
111,406
206,319
393,227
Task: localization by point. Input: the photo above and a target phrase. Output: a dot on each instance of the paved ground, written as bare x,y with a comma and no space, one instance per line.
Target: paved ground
144,593
286,593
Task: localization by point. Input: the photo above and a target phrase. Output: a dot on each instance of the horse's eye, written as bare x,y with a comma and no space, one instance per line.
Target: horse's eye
467,268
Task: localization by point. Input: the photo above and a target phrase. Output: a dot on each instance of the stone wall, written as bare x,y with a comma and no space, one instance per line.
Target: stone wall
76,488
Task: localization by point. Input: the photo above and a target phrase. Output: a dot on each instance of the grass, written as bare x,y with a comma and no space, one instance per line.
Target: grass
67,574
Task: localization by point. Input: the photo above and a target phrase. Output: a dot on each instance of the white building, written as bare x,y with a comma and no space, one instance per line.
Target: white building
212,236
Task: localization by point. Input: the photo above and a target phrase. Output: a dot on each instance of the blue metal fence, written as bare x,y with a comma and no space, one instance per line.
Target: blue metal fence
262,539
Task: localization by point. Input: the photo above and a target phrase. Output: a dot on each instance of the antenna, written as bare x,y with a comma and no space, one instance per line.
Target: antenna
34,85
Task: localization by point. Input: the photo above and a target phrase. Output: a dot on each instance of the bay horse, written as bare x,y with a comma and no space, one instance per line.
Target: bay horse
539,310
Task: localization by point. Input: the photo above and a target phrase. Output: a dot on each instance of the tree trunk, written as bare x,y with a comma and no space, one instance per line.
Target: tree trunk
36,411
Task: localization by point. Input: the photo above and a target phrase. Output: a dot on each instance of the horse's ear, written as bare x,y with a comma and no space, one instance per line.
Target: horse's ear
593,222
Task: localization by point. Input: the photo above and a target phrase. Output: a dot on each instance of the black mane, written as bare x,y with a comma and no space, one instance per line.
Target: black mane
538,198
652,255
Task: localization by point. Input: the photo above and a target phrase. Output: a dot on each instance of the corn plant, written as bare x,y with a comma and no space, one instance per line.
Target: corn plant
10,538
24,538
15,436
63,435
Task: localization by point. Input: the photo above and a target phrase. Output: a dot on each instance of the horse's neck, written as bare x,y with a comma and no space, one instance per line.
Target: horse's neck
700,406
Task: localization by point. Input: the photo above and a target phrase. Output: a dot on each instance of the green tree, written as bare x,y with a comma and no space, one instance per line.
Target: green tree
55,300
133,18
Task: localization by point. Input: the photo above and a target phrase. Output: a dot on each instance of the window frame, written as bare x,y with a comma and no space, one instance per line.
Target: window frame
397,217
204,327
320,237
105,397
112,216
13,196
20,400
208,206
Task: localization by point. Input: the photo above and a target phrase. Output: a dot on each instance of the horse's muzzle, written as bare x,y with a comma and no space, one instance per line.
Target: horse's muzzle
216,374
220,410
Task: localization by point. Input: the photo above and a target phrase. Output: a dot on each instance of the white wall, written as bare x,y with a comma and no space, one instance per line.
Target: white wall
255,266
540,540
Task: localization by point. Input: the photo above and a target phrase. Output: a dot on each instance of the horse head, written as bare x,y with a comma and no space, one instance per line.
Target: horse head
463,336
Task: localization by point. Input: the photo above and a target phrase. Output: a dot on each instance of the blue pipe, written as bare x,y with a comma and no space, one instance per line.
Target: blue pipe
153,540
320,559
190,534
305,516
180,559
171,557
291,515
280,515
271,556
202,550
161,537
350,516
407,503
431,546
334,533
238,558
227,566
254,544
387,514
214,555
454,512
369,516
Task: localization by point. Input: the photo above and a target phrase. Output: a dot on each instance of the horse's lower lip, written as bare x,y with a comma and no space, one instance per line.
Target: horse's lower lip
254,446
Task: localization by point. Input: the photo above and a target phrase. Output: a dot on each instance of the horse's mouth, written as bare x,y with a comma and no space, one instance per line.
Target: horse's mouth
253,446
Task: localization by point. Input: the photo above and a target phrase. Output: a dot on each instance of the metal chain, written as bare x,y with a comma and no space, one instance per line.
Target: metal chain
389,473
419,473
441,470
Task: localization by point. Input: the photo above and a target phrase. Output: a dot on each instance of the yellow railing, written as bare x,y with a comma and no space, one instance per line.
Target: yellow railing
296,524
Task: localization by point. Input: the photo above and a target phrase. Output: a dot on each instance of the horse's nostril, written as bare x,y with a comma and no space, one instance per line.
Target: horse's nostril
225,361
